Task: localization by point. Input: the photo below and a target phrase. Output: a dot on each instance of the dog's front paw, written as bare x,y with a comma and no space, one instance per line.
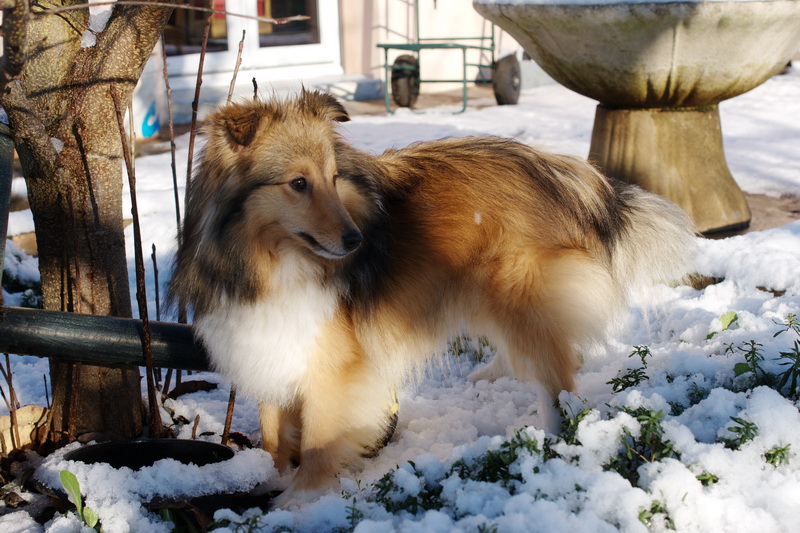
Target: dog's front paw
293,498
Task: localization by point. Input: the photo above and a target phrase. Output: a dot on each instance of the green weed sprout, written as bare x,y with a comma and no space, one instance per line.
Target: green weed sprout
634,376
73,488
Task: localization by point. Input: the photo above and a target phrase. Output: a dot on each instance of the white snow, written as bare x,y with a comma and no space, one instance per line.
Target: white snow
99,16
444,418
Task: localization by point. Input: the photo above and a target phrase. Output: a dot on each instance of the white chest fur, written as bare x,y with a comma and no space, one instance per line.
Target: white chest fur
265,348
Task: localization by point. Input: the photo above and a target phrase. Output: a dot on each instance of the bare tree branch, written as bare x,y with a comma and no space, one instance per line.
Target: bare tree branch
210,11
15,36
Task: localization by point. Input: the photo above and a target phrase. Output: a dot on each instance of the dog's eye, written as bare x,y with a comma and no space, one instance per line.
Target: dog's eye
298,184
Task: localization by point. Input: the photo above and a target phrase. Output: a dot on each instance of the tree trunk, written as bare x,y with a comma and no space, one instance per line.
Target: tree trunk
65,130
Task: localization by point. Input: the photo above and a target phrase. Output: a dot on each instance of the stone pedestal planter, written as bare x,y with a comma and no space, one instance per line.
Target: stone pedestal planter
659,71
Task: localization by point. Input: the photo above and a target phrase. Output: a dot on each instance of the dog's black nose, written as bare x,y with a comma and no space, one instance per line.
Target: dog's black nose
351,240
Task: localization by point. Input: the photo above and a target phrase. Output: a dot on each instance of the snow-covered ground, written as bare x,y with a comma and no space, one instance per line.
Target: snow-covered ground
694,469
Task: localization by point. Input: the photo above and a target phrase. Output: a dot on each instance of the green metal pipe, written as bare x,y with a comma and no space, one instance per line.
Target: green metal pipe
97,340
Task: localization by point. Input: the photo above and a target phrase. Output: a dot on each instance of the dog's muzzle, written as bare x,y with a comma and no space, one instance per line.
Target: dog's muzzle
351,240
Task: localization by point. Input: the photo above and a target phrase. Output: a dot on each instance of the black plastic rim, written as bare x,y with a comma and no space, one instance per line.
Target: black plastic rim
140,453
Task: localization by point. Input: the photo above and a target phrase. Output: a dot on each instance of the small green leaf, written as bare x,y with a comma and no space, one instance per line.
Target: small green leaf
73,489
727,319
90,518
741,368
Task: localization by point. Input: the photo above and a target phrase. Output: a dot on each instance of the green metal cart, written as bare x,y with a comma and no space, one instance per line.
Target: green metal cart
402,77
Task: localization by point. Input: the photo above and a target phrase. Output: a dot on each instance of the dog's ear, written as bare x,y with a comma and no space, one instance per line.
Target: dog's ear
240,123
323,105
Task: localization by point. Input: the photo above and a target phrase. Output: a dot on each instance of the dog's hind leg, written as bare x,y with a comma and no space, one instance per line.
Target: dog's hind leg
536,299
542,353
494,369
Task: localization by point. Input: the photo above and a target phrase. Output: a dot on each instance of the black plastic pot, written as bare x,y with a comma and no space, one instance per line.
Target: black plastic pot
140,453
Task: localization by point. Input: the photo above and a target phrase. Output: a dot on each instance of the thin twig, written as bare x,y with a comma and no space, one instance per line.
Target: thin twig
156,427
7,375
226,431
190,156
46,392
12,393
195,105
13,420
157,370
77,305
236,68
167,380
155,282
75,378
172,148
210,11
194,427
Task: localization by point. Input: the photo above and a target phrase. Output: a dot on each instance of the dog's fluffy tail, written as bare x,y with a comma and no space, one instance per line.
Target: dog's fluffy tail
657,243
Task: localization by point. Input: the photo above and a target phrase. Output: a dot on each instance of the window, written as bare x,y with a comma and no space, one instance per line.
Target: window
184,31
293,33
297,50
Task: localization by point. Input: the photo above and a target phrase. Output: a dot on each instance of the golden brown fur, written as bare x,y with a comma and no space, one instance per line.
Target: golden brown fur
318,297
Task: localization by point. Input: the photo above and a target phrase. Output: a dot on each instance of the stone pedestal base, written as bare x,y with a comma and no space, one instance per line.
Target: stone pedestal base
677,153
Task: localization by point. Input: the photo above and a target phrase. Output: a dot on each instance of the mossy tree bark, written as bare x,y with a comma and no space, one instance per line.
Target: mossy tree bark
56,94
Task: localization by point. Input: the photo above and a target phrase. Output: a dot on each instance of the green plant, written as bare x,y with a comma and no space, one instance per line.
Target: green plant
480,347
633,376
569,424
643,352
744,432
753,356
707,478
790,324
676,408
354,515
394,498
777,455
790,359
656,509
73,488
250,524
31,298
183,520
647,447
28,287
791,376
494,465
697,394
727,321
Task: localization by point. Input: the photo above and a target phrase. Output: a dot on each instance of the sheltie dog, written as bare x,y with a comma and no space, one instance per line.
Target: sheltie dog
320,276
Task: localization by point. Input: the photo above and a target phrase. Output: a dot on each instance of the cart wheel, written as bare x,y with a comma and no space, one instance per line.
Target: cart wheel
506,80
405,80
